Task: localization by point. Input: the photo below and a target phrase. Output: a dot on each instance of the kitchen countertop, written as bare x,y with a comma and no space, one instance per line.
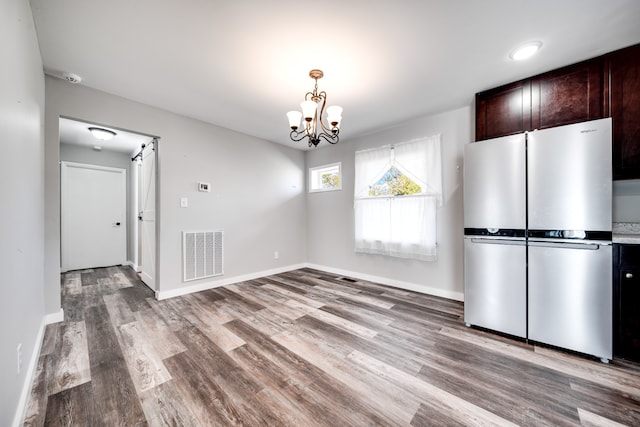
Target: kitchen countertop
626,232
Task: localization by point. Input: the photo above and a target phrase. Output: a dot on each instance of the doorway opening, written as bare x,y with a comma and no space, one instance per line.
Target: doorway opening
88,195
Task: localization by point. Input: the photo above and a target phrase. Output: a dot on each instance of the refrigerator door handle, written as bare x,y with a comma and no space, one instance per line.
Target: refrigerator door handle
499,242
583,246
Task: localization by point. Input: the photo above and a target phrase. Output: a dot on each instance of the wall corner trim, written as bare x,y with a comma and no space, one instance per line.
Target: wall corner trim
415,287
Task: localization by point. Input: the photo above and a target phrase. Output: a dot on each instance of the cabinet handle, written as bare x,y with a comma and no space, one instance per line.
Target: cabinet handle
629,275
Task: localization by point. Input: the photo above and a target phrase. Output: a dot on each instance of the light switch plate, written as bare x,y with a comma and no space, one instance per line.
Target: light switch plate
184,202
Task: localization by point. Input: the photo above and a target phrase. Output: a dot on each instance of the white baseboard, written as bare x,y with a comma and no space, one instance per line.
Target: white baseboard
444,293
160,295
18,419
132,265
453,295
54,317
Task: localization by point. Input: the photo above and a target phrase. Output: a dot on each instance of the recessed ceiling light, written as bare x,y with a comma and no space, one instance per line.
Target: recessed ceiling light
525,51
102,134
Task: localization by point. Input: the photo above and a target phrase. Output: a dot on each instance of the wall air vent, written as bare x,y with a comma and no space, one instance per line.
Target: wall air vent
202,254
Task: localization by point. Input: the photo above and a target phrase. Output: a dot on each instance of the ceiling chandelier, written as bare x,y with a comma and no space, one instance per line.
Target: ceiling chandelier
314,126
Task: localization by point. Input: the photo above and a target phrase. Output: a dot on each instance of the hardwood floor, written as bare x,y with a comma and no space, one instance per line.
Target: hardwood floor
304,348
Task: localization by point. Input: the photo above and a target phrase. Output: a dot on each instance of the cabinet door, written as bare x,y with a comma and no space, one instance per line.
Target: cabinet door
625,110
627,301
569,95
503,111
628,340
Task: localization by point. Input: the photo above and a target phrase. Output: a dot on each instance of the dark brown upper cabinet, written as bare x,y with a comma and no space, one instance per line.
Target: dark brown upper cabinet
606,86
569,95
503,111
625,111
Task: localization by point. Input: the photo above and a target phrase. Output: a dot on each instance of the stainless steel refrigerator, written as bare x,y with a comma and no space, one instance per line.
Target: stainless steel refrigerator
537,248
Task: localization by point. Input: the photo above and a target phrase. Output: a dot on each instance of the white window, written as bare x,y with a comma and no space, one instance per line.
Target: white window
325,178
397,192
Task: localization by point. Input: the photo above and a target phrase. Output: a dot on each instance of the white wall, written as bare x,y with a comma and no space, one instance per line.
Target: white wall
114,159
22,212
257,194
330,214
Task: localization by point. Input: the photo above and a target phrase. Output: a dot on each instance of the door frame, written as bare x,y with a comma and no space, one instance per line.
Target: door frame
139,239
64,166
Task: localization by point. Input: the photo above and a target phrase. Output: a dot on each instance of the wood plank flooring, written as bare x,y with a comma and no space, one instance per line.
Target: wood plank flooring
304,348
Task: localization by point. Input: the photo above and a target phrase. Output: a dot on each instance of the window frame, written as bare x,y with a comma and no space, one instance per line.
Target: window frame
315,176
380,221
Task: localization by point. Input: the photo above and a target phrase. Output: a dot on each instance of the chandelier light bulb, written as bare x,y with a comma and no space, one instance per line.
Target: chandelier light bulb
334,115
294,119
308,110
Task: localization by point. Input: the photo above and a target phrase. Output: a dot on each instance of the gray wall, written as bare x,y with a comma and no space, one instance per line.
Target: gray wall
330,214
626,201
114,159
257,194
22,195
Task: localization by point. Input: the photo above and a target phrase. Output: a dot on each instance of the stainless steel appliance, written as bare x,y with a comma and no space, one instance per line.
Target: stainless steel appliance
494,244
537,214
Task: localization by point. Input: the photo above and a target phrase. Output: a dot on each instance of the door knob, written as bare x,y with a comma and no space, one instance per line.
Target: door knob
629,275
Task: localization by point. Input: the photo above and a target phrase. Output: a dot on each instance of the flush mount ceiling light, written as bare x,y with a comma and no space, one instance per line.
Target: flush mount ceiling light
102,134
72,78
525,51
314,126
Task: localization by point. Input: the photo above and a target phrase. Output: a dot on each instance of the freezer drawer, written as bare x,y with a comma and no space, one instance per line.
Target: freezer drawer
570,297
495,285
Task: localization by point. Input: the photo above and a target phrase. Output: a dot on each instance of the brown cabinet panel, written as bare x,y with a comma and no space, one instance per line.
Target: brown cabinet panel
625,111
569,95
606,86
626,307
503,111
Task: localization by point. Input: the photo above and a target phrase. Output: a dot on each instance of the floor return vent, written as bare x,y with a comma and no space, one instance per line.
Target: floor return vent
202,254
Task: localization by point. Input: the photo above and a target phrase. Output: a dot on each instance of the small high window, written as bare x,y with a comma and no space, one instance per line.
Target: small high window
325,178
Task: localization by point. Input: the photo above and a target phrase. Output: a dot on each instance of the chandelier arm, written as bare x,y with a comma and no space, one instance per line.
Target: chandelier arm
297,136
328,129
332,138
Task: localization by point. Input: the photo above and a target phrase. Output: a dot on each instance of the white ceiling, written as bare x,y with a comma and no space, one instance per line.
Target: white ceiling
242,64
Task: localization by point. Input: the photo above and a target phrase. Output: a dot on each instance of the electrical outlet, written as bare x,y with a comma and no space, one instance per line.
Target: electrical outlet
19,355
276,255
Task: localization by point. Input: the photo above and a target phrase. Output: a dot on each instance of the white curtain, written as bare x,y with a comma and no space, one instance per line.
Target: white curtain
403,226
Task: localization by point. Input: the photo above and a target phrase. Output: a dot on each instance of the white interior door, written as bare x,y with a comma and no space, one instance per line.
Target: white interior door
147,216
93,226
